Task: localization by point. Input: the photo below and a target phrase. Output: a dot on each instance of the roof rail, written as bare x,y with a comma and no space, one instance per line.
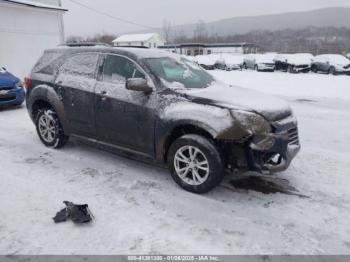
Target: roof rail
85,44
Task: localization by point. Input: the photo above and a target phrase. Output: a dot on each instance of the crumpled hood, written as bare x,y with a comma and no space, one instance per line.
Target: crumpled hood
234,97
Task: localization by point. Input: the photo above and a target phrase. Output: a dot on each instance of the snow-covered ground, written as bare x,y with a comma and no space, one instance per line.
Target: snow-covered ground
139,209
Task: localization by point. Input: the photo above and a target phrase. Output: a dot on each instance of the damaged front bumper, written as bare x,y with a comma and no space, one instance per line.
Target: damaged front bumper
274,152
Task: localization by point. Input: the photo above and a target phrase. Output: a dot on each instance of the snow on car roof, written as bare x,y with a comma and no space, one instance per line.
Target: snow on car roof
296,59
36,5
134,38
206,60
265,58
234,59
334,59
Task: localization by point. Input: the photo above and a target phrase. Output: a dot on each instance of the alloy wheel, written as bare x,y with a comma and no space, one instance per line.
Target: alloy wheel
47,127
191,165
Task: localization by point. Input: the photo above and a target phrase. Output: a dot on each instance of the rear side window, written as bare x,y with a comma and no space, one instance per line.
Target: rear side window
118,69
49,63
81,65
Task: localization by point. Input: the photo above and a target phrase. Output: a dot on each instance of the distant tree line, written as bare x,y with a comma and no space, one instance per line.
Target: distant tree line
309,40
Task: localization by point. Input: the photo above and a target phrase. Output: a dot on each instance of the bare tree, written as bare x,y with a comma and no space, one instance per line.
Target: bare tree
167,31
200,33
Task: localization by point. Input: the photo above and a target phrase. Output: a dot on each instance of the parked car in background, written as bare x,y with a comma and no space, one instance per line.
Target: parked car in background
206,61
331,64
163,107
260,62
11,89
294,63
230,62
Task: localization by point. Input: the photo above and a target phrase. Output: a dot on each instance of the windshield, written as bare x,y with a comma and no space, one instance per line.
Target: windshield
179,72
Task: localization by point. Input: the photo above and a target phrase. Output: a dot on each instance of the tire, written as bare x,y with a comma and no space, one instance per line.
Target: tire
314,69
290,69
245,66
47,119
332,71
204,150
256,68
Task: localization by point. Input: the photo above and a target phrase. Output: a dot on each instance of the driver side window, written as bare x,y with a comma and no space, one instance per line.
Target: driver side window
117,69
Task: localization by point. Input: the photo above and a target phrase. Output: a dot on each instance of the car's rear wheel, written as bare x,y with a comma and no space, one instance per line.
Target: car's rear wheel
195,164
314,69
49,129
256,67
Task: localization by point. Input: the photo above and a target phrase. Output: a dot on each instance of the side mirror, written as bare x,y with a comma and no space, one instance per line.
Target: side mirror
138,84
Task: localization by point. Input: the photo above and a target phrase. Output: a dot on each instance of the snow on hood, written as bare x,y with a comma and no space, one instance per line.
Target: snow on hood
234,97
295,59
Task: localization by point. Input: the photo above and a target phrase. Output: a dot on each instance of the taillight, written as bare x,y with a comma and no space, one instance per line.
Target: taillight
27,82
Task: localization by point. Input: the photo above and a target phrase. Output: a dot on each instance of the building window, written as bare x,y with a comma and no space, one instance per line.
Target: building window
201,52
189,52
196,52
209,52
142,43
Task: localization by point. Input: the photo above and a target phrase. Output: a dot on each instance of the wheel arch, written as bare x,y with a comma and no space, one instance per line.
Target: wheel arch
43,97
177,132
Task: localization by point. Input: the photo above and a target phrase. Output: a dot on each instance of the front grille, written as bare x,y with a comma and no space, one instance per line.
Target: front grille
7,98
293,135
7,87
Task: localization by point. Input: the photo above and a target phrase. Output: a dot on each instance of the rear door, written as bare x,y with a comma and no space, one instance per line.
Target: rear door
124,117
76,83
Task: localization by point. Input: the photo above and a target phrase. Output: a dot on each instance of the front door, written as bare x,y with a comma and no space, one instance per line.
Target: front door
75,84
124,117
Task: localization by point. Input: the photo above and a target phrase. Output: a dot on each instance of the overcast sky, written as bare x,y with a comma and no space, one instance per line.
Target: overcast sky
80,21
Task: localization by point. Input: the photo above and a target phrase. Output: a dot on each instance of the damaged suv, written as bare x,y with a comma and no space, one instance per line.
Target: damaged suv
163,107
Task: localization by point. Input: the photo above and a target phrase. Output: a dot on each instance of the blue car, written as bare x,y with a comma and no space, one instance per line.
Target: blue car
11,89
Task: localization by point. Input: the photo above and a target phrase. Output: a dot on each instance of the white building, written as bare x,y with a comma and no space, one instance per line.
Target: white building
194,49
27,28
151,40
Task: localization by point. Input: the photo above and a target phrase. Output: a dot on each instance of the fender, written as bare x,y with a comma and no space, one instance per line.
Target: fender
215,121
48,94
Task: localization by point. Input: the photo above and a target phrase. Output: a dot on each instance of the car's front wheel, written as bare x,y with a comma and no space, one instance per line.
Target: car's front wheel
332,71
195,163
49,129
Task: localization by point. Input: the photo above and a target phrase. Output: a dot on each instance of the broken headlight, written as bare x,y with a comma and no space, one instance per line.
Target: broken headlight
253,123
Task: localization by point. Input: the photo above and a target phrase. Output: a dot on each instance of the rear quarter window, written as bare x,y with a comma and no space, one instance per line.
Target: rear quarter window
83,64
49,63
